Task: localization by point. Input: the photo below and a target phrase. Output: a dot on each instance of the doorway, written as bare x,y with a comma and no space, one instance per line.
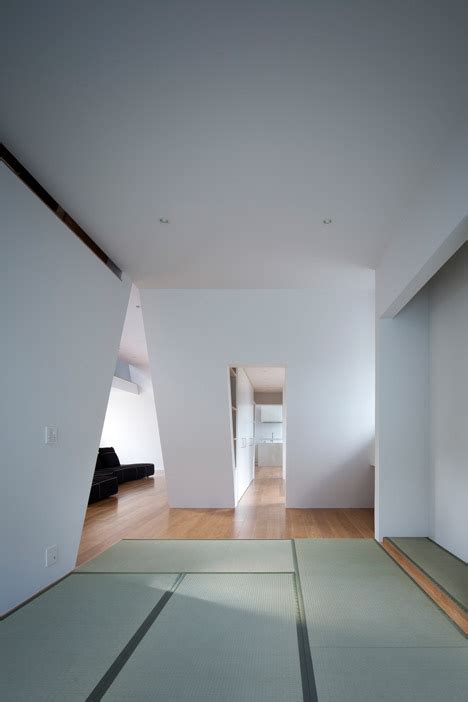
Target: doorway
257,395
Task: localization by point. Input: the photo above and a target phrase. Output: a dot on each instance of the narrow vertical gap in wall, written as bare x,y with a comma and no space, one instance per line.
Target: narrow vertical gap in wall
130,429
131,421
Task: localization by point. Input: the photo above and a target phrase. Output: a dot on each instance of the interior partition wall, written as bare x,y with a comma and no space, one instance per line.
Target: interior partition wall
62,316
325,339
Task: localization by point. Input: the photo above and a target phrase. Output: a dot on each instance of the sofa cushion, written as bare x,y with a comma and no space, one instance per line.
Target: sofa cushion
108,457
103,485
125,473
101,475
108,487
138,468
108,461
94,493
143,469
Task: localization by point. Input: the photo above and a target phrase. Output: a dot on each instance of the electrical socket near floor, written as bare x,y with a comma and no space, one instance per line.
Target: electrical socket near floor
51,556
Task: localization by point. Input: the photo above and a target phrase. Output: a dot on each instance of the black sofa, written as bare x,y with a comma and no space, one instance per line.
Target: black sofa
104,485
108,461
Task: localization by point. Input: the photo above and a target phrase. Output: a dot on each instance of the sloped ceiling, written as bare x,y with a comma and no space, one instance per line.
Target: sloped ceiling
243,123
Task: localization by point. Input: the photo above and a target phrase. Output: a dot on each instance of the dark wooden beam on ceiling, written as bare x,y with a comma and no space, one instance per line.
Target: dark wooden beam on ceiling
28,179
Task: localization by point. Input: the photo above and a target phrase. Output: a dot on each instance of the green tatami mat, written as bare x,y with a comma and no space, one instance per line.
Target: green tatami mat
336,556
391,674
446,570
194,556
220,638
366,601
57,647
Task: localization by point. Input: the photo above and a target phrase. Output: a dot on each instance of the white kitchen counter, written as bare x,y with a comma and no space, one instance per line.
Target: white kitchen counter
270,454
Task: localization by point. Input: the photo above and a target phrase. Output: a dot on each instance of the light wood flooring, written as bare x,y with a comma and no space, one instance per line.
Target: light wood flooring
140,510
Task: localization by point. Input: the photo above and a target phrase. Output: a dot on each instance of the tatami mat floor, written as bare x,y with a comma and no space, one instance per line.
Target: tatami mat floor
328,620
448,571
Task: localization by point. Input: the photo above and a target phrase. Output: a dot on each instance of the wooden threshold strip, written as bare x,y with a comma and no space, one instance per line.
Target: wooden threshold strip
458,615
24,175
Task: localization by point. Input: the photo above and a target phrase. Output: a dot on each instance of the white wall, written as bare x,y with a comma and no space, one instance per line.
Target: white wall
326,341
432,229
131,424
449,404
429,227
422,486
403,457
62,317
245,434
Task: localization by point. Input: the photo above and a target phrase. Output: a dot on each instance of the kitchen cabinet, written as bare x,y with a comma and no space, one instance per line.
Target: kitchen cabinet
271,413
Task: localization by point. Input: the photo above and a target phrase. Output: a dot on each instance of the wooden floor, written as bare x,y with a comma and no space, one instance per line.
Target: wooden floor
140,510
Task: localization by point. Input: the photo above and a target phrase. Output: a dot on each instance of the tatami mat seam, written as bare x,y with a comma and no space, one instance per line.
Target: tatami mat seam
109,676
186,572
309,687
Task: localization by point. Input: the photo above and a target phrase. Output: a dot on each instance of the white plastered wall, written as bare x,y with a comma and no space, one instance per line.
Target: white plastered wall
324,338
62,316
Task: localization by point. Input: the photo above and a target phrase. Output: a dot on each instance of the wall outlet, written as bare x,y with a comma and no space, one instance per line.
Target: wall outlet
51,556
51,436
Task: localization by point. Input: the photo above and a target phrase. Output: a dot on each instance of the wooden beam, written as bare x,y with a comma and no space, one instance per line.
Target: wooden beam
28,179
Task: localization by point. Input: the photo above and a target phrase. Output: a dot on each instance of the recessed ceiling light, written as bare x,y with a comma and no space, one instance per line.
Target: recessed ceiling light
163,220
327,221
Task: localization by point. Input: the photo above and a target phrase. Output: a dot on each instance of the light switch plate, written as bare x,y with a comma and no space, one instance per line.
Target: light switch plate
51,556
51,436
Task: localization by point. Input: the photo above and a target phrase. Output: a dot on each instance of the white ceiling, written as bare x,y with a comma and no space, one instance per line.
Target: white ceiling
245,123
266,379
